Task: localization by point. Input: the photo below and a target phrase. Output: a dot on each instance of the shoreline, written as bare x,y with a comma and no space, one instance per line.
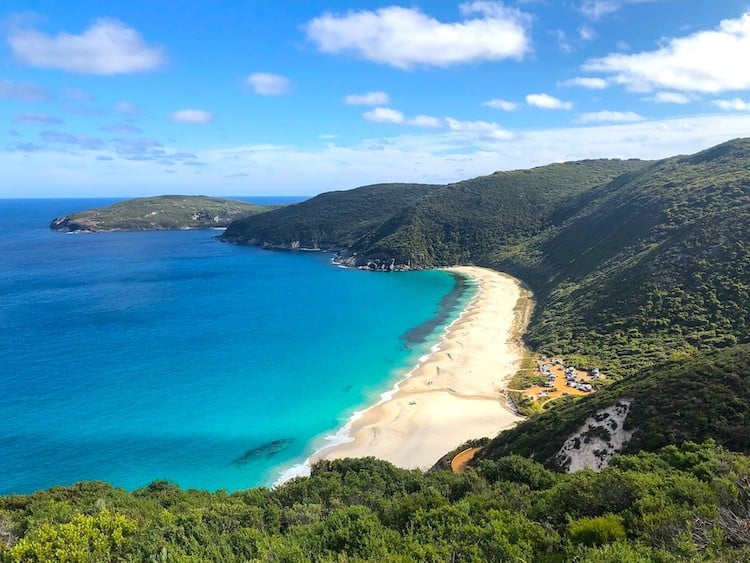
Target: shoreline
454,393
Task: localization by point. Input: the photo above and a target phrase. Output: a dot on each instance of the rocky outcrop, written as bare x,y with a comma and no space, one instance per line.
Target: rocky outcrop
601,437
354,260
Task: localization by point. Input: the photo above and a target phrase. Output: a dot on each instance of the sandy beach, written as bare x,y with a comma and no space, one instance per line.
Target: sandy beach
455,394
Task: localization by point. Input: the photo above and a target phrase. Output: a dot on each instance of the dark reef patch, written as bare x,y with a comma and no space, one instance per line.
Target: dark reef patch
269,449
448,304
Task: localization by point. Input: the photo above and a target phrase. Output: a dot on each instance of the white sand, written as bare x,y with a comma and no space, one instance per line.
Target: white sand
455,394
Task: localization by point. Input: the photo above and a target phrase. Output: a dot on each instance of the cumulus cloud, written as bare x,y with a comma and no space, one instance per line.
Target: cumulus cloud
191,116
585,82
368,99
735,104
669,98
384,115
267,84
504,105
610,117
407,37
21,92
36,118
107,47
389,115
706,61
482,128
545,101
427,121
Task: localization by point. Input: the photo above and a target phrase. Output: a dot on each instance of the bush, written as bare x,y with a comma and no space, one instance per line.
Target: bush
599,530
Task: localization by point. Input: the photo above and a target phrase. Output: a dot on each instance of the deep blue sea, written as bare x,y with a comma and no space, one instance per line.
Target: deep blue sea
132,357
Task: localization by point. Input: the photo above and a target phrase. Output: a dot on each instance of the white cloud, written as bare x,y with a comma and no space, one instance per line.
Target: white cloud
268,84
384,115
426,121
483,128
735,104
407,37
669,98
368,99
706,61
545,101
388,115
191,116
610,117
586,33
504,105
107,47
597,9
440,156
585,82
562,41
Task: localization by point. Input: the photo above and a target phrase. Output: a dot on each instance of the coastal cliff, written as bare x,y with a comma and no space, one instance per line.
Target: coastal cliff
161,213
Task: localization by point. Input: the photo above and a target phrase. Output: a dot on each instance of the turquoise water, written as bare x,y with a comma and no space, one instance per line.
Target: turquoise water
131,357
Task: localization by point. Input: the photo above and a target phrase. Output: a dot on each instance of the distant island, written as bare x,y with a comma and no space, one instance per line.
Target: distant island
161,213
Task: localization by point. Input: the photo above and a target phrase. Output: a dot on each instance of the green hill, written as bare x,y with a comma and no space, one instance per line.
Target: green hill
426,225
652,266
161,213
691,399
329,220
631,262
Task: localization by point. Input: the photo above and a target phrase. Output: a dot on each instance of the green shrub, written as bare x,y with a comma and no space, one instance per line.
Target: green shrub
599,530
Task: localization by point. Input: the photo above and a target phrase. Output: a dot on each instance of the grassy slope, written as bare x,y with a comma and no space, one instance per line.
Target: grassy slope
169,212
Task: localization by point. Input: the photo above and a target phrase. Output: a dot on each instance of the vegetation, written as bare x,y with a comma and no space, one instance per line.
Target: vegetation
162,213
632,263
679,504
706,396
330,220
639,268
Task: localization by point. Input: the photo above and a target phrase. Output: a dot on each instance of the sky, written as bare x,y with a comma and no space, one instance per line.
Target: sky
282,97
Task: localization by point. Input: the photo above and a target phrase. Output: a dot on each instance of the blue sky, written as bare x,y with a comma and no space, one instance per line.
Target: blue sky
265,97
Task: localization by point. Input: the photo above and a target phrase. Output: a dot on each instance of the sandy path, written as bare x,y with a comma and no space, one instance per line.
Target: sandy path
455,394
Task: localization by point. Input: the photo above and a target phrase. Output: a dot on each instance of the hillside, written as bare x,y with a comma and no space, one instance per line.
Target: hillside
329,220
652,266
631,262
426,225
161,213
691,399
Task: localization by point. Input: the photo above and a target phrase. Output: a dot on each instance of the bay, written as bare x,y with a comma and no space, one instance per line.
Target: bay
133,357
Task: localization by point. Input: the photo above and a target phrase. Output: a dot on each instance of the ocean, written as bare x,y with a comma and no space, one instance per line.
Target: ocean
134,357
